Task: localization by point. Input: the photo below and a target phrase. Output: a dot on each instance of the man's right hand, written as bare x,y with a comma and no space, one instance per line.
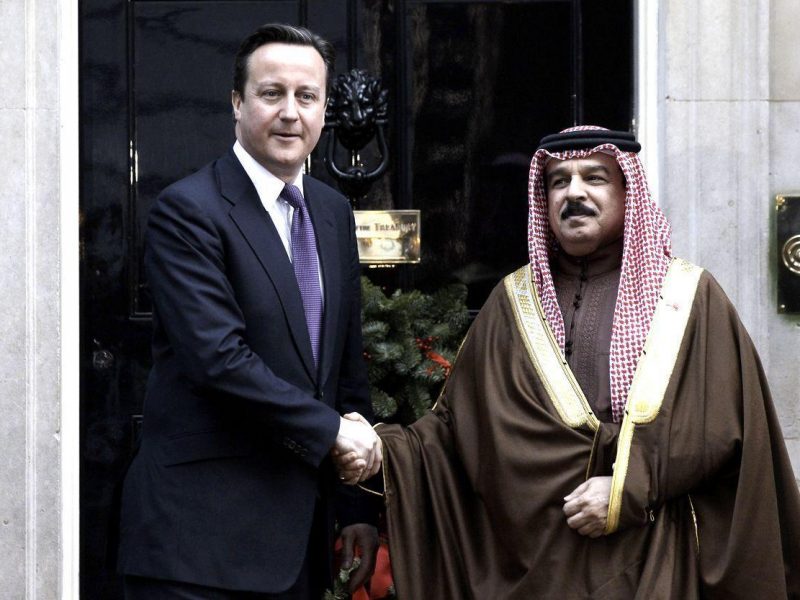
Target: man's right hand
359,447
586,508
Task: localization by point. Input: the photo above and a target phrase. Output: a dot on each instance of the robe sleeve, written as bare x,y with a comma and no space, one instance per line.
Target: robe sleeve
717,439
421,482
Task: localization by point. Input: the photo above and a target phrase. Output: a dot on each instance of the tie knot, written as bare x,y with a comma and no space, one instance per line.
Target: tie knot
291,193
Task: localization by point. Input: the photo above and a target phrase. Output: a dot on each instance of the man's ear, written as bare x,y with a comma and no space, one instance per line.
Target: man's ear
236,101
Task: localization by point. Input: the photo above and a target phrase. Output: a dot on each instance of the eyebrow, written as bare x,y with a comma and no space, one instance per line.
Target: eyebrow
597,168
268,83
560,170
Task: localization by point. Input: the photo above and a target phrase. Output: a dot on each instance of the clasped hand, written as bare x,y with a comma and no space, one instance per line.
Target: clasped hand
358,452
586,508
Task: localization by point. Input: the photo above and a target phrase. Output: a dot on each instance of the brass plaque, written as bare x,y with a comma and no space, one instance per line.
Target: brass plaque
787,228
388,236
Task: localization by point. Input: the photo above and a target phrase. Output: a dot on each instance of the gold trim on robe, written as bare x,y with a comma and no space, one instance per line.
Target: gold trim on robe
557,378
654,369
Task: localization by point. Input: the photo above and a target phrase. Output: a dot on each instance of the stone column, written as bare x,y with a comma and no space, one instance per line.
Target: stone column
30,468
728,142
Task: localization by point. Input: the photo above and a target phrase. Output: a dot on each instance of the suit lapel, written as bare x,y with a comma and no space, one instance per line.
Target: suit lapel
259,231
328,252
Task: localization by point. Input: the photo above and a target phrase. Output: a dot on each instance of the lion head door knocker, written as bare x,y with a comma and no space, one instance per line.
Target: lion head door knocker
356,113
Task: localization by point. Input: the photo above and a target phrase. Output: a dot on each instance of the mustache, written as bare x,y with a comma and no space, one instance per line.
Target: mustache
577,209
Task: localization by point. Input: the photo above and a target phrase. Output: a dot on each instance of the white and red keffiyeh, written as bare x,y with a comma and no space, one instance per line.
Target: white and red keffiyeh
646,256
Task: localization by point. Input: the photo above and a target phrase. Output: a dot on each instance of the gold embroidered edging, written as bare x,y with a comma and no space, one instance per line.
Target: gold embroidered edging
620,471
544,353
384,467
654,370
591,453
694,522
447,378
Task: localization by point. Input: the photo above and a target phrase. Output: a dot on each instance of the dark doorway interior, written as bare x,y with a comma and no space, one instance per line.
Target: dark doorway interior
473,86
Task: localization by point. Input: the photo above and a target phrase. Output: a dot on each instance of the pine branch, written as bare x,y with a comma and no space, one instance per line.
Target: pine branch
410,342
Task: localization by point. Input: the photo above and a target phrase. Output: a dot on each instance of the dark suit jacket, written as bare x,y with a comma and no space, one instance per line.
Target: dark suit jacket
237,421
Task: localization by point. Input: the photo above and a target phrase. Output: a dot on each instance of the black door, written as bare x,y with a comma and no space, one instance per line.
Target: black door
473,85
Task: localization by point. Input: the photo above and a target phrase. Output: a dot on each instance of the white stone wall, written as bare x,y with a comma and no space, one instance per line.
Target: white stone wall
729,118
30,499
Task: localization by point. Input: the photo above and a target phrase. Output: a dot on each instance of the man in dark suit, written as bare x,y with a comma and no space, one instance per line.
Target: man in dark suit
257,355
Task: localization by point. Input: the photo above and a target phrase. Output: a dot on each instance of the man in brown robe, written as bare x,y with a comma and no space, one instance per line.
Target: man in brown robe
607,430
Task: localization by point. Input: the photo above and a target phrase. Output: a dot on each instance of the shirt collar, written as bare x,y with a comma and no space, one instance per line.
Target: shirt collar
267,185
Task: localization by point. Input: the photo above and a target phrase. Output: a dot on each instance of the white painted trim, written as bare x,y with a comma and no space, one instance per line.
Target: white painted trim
646,95
31,305
69,165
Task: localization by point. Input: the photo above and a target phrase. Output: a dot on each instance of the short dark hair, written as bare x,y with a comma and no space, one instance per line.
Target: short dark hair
281,33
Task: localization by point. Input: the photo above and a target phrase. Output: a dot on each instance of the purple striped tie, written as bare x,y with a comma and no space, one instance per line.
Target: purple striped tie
306,267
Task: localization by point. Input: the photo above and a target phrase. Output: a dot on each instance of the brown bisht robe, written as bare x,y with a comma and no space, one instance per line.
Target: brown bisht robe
704,503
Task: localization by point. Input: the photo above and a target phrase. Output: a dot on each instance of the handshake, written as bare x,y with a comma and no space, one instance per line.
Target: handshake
357,452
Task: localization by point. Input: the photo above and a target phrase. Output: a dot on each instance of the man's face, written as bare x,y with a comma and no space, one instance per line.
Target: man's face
585,202
280,116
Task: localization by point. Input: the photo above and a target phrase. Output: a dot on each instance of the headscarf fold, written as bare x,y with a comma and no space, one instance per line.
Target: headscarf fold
646,255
